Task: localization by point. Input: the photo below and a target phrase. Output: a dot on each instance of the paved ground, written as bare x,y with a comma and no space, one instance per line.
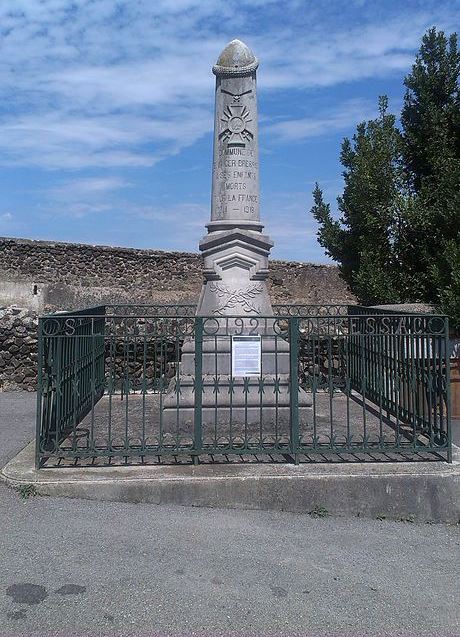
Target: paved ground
85,568
17,426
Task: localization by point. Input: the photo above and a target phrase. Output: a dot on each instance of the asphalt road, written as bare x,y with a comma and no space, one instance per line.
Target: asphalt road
75,567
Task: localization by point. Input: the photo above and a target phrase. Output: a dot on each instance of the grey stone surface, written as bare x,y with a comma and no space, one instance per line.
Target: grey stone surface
423,491
402,308
17,422
235,252
236,59
18,349
23,294
135,571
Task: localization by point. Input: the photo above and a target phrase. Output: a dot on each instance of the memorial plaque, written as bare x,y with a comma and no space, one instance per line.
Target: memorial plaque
246,355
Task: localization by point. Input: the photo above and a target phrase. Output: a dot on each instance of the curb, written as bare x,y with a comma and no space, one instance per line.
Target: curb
422,491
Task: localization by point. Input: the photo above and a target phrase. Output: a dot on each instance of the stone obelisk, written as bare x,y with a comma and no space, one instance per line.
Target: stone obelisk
234,297
235,251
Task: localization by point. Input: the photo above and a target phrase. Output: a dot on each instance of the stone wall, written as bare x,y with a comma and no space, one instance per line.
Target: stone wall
42,276
18,349
69,276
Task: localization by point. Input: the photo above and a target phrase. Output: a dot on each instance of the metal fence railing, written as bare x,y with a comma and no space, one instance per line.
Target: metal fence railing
150,381
71,377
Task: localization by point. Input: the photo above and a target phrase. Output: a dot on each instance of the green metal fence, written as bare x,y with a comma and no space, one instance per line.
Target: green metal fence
71,375
145,382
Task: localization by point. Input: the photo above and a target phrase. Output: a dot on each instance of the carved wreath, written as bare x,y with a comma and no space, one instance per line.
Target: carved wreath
231,298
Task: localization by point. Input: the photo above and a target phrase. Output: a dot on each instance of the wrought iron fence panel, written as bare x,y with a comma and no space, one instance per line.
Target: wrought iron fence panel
400,363
303,310
120,382
242,414
70,373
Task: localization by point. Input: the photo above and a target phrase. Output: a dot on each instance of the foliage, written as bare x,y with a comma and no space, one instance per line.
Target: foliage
398,235
430,117
27,491
364,241
319,512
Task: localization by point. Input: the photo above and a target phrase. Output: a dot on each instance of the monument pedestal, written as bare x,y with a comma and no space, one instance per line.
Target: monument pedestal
226,398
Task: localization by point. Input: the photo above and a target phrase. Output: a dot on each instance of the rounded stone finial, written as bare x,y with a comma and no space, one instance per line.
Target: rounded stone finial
236,59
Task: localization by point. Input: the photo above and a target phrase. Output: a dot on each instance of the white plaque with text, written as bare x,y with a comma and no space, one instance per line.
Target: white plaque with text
246,355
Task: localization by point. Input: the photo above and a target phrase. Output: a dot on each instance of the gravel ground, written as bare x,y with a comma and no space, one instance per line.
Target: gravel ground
75,567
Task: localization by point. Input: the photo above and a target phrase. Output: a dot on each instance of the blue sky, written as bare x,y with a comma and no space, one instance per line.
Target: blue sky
107,109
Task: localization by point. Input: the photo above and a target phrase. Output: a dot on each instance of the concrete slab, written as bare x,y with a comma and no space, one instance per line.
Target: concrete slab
425,491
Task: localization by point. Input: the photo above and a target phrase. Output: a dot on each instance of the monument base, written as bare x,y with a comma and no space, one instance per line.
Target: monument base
235,401
226,400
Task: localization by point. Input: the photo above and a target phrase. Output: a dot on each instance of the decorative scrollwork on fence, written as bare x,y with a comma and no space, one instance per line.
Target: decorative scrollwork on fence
281,327
152,310
51,327
310,310
211,326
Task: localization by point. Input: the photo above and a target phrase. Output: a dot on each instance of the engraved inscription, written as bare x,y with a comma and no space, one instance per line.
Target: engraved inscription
235,168
237,171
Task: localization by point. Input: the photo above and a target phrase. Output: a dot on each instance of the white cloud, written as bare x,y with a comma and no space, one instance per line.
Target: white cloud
80,197
181,216
88,186
65,140
288,222
99,83
342,117
173,226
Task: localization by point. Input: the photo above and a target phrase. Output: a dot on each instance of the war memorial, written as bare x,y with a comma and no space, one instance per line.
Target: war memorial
235,378
228,444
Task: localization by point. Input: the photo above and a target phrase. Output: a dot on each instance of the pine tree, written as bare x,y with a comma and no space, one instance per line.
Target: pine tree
363,241
398,238
431,113
431,133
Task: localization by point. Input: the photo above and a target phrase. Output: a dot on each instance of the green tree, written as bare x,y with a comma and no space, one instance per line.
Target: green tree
430,121
449,296
363,241
398,238
430,116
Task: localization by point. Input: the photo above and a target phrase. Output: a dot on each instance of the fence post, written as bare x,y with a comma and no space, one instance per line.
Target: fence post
198,432
448,396
294,385
39,424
